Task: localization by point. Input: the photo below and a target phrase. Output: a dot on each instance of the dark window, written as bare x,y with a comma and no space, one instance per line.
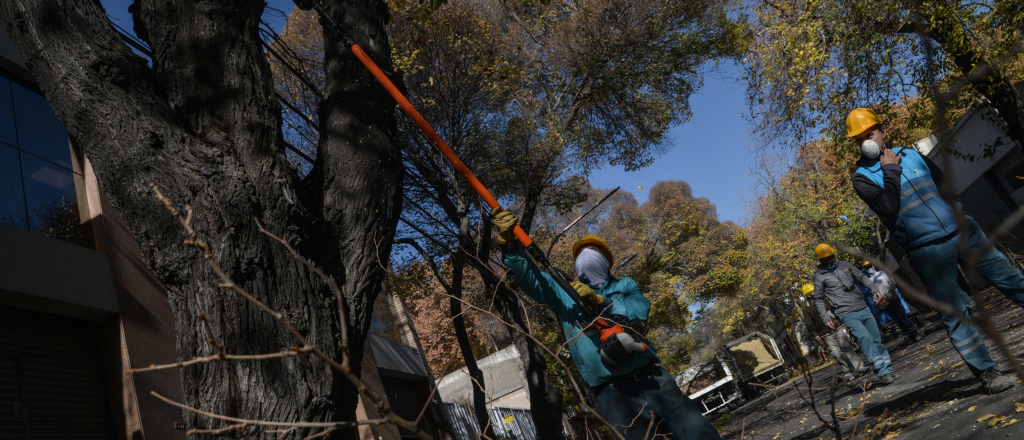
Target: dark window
7,133
37,186
12,195
39,130
1015,177
50,195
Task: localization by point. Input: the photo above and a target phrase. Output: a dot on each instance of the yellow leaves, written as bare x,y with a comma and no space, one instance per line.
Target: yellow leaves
986,417
1020,407
891,435
995,421
1008,423
971,408
957,364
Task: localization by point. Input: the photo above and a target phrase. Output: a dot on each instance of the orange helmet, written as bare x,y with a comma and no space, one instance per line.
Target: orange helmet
824,251
593,240
860,121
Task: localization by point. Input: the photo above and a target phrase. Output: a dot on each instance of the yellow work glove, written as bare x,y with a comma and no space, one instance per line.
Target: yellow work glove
503,222
588,294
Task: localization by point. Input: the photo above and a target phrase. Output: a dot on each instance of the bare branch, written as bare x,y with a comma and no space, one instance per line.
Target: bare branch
274,423
227,283
294,351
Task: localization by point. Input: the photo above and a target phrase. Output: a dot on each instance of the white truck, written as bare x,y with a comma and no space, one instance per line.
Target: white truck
724,382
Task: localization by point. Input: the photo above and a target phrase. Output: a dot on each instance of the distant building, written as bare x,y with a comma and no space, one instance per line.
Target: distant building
395,367
504,382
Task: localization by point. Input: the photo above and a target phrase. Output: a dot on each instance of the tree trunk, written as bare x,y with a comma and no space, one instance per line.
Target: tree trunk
204,125
545,401
461,335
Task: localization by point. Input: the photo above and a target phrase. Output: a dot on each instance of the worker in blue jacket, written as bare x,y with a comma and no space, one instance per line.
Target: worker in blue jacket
622,368
901,186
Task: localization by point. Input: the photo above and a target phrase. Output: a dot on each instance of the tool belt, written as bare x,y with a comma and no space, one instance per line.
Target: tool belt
636,376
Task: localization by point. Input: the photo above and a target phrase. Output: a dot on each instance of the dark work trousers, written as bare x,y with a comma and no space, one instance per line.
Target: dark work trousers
628,407
936,264
899,314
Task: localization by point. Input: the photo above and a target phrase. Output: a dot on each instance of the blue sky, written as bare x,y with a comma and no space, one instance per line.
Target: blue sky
710,152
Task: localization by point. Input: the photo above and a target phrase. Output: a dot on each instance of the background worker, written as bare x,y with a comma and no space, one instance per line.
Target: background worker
901,187
625,377
891,296
833,338
837,281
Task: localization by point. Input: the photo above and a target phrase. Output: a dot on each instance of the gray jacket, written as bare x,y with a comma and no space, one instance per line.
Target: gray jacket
840,287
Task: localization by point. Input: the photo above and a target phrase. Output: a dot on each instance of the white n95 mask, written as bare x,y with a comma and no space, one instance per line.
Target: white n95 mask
870,149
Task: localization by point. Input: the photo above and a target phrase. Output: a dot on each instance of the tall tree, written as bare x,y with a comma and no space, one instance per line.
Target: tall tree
203,123
532,97
685,256
814,61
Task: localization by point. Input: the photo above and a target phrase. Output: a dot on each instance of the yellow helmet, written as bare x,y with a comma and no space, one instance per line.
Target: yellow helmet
866,263
807,289
824,251
593,240
860,121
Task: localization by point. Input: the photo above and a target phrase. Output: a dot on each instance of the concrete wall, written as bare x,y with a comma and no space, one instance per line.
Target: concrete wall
48,275
503,376
970,136
987,186
143,333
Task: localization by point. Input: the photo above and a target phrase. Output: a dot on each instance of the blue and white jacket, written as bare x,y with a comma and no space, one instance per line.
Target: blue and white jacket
906,198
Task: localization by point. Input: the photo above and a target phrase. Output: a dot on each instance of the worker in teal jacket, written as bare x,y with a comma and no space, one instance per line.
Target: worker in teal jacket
622,368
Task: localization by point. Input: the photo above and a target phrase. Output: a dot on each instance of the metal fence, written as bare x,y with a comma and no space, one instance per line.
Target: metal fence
509,423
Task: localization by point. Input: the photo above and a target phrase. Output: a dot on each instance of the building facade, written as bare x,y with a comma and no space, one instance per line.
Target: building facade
78,307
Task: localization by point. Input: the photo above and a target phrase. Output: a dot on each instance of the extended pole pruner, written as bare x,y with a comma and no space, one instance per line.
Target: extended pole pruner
532,248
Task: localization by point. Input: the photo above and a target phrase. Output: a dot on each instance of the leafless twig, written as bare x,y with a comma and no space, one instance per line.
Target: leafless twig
342,367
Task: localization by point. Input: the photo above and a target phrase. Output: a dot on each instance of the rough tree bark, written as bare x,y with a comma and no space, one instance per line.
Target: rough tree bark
204,125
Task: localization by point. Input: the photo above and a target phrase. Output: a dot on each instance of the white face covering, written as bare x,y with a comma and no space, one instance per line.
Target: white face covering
870,149
592,268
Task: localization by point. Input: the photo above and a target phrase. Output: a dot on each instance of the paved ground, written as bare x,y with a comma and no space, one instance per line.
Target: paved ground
936,398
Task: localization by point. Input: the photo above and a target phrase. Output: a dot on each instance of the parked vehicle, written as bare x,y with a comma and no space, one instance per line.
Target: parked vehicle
722,383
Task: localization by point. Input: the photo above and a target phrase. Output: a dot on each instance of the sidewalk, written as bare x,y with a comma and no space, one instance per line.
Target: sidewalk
936,398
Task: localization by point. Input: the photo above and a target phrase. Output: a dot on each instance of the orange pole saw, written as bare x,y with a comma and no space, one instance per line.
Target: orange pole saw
460,167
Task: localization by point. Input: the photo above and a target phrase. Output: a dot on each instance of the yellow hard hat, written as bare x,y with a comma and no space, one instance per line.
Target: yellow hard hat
824,251
593,240
866,263
860,121
807,289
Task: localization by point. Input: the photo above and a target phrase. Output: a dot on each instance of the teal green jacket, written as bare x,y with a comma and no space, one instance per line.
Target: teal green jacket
622,297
